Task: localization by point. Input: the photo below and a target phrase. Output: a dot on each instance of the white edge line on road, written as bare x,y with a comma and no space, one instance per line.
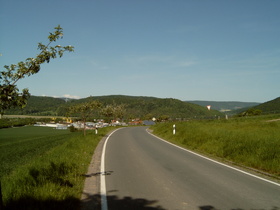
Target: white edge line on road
244,172
103,192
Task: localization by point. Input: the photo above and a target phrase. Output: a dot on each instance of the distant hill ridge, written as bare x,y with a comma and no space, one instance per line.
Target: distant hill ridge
225,106
142,106
136,106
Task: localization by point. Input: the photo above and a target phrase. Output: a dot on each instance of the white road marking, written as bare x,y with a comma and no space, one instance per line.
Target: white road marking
103,192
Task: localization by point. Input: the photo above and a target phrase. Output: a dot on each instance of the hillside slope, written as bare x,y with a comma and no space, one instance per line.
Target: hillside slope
270,107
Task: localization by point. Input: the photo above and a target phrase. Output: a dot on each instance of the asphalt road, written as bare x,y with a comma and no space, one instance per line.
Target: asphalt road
144,172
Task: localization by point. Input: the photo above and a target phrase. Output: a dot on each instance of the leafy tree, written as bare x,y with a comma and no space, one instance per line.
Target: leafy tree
85,110
163,118
62,111
10,96
148,116
119,111
107,111
113,111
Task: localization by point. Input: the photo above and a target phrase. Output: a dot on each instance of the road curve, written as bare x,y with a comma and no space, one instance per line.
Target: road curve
144,172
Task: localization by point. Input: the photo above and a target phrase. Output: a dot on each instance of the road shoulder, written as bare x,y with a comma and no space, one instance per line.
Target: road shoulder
90,198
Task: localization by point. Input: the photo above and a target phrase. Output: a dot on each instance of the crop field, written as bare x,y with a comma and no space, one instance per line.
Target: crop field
20,145
44,168
251,142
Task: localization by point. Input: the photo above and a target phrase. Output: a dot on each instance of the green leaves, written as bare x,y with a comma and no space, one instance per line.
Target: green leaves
113,110
56,35
9,94
85,109
10,97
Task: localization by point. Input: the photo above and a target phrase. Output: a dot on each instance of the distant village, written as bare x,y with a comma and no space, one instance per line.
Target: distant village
100,123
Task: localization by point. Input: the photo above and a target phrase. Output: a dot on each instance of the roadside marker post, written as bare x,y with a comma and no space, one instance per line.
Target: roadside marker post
174,129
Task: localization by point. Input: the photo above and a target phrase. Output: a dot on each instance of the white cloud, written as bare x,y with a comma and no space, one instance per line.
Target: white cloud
65,96
71,96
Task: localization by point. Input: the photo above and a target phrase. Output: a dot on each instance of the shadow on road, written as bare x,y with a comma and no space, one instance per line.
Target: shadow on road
98,174
129,203
94,202
126,203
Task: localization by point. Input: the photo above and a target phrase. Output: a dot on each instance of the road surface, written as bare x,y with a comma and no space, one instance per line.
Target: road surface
144,172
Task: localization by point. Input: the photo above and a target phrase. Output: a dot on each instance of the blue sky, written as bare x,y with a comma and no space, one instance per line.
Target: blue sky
220,50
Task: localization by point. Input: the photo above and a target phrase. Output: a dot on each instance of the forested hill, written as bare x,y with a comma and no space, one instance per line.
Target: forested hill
136,106
270,107
140,106
39,105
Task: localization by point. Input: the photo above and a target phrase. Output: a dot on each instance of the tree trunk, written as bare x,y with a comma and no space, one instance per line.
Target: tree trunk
84,127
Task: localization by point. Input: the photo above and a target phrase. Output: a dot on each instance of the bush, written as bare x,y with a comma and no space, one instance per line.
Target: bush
4,123
72,128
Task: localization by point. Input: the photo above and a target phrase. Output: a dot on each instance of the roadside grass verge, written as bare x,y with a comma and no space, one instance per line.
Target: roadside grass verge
251,142
53,176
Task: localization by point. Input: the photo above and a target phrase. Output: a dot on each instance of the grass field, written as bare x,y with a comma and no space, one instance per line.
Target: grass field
21,145
43,168
252,142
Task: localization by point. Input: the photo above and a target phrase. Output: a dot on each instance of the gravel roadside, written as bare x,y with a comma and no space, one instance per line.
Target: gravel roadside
90,198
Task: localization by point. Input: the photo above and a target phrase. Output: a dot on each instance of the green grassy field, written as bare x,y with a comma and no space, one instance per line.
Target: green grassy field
21,145
252,142
44,168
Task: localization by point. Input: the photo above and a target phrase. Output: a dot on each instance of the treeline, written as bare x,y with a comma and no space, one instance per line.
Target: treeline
18,122
135,107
